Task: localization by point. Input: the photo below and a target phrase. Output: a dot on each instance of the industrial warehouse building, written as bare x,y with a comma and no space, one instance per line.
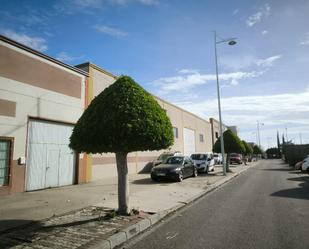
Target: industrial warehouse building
40,101
42,98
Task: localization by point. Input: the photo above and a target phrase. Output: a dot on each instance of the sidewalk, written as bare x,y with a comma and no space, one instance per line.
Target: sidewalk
94,202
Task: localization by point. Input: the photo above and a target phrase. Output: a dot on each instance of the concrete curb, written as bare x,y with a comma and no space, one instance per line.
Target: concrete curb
135,229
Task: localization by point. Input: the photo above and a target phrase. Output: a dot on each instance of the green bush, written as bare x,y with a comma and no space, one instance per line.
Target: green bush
295,153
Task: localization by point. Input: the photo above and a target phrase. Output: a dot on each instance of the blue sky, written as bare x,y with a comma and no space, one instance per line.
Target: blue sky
167,47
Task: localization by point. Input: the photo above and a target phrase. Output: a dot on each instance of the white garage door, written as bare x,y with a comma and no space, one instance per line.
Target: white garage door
50,161
189,141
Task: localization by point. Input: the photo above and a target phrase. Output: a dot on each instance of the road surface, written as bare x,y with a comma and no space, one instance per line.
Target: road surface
265,207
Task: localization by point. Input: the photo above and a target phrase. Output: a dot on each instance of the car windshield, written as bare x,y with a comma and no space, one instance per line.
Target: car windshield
163,157
215,155
199,156
234,155
174,160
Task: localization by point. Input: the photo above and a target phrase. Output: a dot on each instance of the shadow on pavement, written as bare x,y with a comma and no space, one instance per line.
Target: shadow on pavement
145,181
11,236
298,193
28,231
147,168
280,169
210,174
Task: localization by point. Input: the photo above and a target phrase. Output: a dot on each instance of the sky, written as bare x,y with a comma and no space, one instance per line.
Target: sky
168,48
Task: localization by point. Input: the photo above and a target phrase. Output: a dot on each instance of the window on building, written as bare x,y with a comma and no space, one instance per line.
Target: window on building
217,134
175,130
4,161
201,138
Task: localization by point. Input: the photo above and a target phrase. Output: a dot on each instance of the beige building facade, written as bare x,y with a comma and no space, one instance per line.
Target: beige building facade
40,101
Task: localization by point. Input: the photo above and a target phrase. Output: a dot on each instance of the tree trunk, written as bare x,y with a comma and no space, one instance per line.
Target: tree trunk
227,163
123,183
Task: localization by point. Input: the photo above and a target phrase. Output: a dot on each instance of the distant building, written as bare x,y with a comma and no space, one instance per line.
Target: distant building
215,129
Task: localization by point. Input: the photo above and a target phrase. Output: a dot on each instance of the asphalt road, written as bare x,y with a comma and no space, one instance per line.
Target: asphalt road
265,207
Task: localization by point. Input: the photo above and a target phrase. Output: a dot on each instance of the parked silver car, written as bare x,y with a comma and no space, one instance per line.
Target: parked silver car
217,158
204,162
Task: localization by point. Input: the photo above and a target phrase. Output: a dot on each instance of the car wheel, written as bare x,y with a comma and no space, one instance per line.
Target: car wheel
194,173
213,169
154,179
180,177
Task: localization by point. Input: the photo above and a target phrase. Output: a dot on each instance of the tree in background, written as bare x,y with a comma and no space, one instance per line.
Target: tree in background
122,119
232,144
248,148
273,153
257,150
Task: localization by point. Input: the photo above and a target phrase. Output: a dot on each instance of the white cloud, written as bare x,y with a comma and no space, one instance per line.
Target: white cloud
110,31
65,57
89,3
34,42
305,40
187,71
247,61
273,110
183,82
144,2
235,12
268,62
237,62
264,32
258,16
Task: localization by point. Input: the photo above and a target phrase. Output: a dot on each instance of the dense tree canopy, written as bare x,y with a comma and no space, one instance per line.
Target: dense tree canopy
257,150
122,118
232,143
248,148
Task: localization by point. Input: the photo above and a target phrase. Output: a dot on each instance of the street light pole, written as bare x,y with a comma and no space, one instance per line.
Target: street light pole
258,130
219,107
230,41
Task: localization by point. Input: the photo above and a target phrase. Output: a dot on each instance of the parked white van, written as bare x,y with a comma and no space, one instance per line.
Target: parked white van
204,161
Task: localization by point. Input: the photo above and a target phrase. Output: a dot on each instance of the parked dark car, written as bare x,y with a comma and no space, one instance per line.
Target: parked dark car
175,168
235,158
164,156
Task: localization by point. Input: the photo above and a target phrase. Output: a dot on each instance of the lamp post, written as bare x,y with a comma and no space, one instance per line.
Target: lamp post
230,41
258,130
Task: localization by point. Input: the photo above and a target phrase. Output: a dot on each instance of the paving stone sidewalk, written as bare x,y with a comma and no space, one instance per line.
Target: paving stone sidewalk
80,229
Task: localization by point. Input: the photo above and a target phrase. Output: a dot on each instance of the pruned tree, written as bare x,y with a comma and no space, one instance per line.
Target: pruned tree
257,150
248,149
121,119
232,144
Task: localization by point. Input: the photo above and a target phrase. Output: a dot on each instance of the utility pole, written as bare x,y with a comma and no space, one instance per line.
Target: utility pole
258,132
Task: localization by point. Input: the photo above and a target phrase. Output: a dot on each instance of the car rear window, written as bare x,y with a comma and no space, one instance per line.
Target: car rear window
199,156
174,160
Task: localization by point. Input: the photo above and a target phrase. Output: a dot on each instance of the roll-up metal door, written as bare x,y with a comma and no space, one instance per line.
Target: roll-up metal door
189,141
50,161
